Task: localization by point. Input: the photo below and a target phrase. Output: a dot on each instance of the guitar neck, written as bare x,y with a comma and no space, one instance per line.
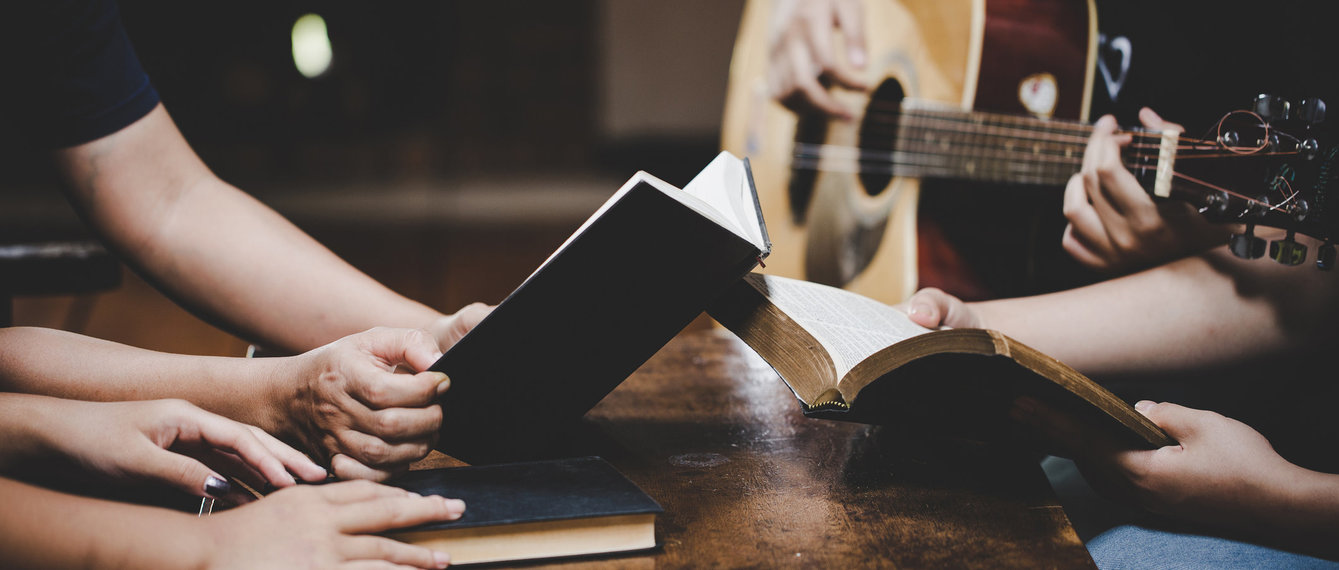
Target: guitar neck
942,142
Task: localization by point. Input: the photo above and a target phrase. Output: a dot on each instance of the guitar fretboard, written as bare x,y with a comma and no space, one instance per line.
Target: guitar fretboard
931,141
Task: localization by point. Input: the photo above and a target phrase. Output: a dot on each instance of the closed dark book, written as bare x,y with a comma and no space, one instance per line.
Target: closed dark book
537,509
634,275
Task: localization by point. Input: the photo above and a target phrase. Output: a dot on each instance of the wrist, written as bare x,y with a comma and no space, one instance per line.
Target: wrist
29,423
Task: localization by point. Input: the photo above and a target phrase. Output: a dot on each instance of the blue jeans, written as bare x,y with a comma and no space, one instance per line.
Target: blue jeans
1143,548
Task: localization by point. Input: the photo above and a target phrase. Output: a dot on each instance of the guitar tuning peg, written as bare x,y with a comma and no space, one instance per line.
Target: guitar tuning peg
1311,111
1247,246
1325,257
1271,108
1287,251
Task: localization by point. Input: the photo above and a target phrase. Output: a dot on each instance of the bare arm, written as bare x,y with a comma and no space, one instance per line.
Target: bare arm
343,402
217,250
167,441
309,527
1212,309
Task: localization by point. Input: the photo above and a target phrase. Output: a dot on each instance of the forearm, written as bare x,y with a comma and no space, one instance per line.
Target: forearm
1212,309
1301,510
67,365
40,528
217,250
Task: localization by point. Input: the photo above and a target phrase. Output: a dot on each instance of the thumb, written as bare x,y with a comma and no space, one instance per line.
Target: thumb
463,322
414,348
1178,421
183,473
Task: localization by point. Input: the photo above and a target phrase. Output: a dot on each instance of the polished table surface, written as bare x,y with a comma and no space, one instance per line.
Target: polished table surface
713,434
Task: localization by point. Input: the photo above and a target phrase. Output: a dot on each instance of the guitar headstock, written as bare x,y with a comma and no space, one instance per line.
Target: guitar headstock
1269,166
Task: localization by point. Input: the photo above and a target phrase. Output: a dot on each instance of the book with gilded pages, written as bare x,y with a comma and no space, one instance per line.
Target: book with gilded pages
531,510
848,357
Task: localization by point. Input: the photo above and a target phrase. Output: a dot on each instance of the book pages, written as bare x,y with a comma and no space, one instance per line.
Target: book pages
850,327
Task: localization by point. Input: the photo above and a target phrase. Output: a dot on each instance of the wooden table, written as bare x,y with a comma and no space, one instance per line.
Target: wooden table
715,436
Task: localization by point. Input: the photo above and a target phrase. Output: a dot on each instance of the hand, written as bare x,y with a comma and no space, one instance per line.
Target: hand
449,329
1114,224
801,53
150,440
933,308
1221,473
328,526
350,405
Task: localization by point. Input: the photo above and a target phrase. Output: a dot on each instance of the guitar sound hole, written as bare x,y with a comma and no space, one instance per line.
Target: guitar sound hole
878,137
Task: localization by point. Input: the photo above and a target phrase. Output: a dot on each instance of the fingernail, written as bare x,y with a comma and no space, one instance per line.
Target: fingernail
1142,406
443,383
455,507
441,559
216,487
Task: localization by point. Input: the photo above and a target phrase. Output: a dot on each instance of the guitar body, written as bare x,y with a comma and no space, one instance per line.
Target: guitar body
837,221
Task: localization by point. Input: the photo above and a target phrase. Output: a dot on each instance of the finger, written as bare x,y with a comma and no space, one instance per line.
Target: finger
1086,225
1180,422
461,323
295,461
375,452
238,439
379,389
817,35
1152,121
923,308
850,15
820,99
414,348
349,469
356,491
373,565
1077,249
392,551
401,424
386,513
182,472
229,464
846,79
807,92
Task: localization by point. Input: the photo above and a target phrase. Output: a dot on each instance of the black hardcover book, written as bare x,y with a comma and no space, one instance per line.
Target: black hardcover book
635,274
537,509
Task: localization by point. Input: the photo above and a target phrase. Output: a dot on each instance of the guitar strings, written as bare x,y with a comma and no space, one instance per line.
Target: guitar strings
1012,148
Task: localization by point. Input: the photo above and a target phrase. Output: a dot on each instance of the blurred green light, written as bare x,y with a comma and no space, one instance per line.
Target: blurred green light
311,46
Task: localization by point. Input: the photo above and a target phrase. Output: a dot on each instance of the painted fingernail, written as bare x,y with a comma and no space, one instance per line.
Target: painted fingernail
216,487
441,559
443,383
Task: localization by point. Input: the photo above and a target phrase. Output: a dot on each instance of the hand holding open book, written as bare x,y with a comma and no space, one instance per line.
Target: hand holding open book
848,357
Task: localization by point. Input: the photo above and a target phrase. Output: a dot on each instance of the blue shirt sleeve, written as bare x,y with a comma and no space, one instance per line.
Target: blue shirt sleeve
71,73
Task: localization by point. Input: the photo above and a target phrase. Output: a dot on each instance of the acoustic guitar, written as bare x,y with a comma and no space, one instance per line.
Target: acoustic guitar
995,91
965,89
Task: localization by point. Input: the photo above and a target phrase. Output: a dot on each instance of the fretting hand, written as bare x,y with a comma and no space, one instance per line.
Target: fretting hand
1115,226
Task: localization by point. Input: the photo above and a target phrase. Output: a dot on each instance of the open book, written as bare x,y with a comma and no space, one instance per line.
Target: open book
631,277
849,357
